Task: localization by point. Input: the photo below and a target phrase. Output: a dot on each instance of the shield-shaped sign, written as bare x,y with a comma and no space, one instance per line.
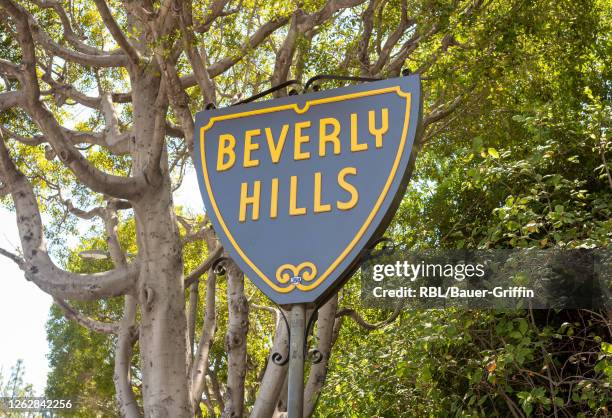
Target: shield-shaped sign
298,187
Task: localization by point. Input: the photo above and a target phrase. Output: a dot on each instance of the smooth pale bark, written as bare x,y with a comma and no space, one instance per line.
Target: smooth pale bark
235,342
87,322
195,275
161,294
197,59
163,326
200,363
10,99
281,407
318,372
116,31
194,297
38,266
274,376
128,407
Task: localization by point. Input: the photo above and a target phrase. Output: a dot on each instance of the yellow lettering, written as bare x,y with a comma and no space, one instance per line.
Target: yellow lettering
379,132
300,139
294,210
274,199
276,149
355,145
332,137
250,146
252,200
352,202
318,206
227,143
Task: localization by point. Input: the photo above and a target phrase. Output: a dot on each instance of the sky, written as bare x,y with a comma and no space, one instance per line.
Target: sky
24,308
23,311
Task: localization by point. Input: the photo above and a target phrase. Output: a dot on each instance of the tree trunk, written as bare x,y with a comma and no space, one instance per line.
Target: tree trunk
235,342
200,363
163,326
126,400
274,377
318,372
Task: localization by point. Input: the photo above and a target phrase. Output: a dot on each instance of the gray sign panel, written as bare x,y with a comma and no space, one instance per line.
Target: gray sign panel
297,188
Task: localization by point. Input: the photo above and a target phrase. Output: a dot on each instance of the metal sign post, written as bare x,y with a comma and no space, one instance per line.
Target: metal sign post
295,380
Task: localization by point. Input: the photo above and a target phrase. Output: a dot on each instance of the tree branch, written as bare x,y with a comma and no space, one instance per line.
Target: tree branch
84,214
366,325
393,39
39,267
10,99
198,62
284,56
8,68
97,180
61,91
228,62
68,91
69,34
204,267
75,138
442,111
214,11
192,313
116,31
87,322
110,59
363,54
300,24
180,102
325,13
13,257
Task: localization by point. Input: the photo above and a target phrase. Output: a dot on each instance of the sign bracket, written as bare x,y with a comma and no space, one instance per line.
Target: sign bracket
298,330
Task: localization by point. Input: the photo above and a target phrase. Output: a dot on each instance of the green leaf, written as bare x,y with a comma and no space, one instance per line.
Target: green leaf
523,326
